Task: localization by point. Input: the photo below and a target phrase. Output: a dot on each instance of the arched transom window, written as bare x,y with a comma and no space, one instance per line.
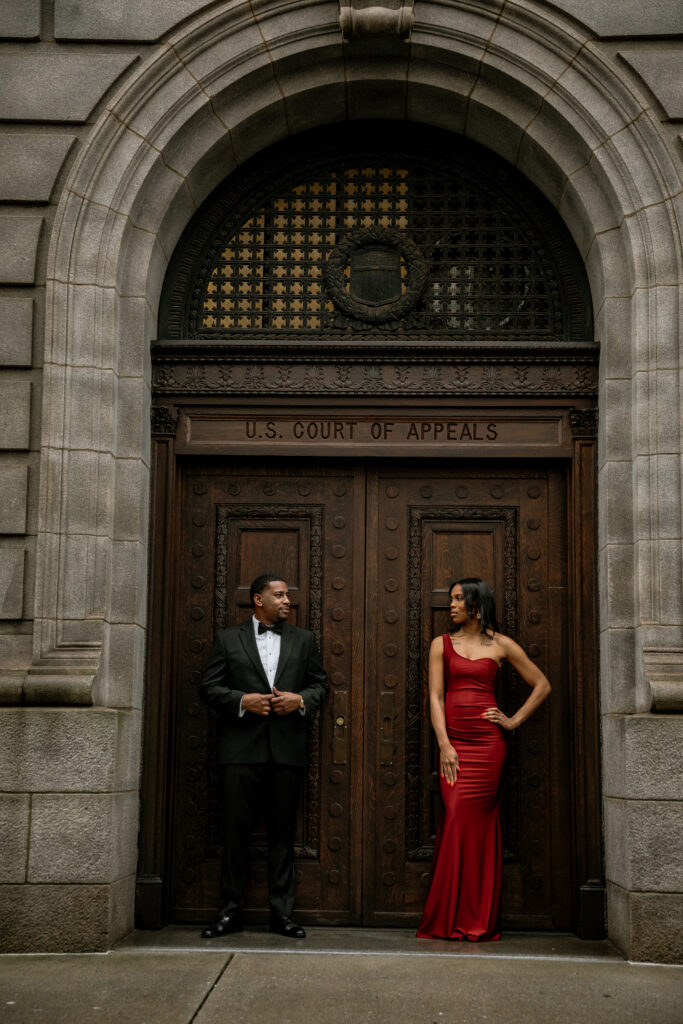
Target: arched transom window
375,239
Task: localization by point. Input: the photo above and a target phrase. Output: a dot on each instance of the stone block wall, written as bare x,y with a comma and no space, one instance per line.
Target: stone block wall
69,812
68,775
48,97
74,435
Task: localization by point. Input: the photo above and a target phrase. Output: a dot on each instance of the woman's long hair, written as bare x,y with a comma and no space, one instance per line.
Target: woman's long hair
478,598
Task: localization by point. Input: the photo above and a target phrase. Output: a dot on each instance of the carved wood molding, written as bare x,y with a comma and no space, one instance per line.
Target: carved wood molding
164,420
584,422
178,371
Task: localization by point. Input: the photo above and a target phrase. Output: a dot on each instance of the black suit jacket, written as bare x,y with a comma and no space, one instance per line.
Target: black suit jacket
234,668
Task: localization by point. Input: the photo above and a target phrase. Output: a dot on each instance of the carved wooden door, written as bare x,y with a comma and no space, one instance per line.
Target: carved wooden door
308,525
429,529
368,555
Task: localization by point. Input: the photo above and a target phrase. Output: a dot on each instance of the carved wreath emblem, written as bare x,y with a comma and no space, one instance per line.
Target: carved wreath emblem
374,289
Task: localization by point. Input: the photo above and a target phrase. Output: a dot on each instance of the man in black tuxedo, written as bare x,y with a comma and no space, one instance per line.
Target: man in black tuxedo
265,679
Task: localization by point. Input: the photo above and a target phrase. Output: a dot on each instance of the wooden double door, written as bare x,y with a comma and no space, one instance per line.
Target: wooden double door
369,553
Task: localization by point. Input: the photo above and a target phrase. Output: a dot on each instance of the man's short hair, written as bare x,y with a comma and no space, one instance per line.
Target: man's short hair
261,582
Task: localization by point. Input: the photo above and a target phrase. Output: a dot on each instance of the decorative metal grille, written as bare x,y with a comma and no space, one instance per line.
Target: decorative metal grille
339,239
486,273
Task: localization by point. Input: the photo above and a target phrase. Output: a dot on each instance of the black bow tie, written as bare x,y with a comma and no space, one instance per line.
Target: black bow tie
262,628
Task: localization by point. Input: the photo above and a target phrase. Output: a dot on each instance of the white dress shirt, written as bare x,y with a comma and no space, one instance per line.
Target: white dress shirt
268,646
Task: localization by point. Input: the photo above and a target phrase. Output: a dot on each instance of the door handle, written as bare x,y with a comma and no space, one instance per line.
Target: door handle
387,715
339,708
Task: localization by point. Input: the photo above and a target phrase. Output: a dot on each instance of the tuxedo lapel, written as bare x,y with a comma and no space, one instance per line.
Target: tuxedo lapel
249,643
286,647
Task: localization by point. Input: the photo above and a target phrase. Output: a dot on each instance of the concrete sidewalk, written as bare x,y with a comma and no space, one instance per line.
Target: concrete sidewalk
339,976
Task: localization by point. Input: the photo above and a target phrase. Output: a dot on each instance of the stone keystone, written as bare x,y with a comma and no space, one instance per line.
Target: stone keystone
372,18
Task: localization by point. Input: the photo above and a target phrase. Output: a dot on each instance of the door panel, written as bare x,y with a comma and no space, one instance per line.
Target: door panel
237,524
369,555
431,529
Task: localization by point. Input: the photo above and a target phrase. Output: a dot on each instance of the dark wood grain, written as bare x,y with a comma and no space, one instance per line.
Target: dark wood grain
369,552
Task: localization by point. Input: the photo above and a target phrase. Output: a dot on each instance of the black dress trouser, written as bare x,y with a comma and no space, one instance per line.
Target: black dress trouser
272,791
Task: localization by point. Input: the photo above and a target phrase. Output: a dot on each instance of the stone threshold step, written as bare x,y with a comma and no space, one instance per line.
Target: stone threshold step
373,942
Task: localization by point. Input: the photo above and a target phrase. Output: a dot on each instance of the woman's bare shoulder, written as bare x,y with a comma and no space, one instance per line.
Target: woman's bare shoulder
506,643
437,645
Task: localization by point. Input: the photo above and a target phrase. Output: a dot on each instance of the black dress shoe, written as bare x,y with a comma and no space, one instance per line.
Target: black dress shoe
227,924
285,926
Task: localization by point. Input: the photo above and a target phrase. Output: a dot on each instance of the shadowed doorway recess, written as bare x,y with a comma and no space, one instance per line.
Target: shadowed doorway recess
375,594
375,373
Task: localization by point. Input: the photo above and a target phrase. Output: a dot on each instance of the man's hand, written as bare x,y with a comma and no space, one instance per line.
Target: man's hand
285,703
257,703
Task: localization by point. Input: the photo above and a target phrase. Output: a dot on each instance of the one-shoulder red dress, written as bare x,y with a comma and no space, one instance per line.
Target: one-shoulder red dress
464,896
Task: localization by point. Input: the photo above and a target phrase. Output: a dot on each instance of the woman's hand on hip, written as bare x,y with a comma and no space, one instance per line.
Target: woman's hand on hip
496,716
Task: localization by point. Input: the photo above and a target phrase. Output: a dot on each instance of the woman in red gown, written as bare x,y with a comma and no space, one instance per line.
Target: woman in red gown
464,896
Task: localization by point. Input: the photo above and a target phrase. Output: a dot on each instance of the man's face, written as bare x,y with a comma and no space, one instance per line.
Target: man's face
272,604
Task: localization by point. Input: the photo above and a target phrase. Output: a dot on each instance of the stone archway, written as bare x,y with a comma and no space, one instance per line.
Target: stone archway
529,86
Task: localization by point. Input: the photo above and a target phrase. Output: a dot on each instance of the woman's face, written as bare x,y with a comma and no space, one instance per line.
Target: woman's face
458,610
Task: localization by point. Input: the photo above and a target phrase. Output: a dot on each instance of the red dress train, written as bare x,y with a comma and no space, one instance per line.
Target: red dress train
464,896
